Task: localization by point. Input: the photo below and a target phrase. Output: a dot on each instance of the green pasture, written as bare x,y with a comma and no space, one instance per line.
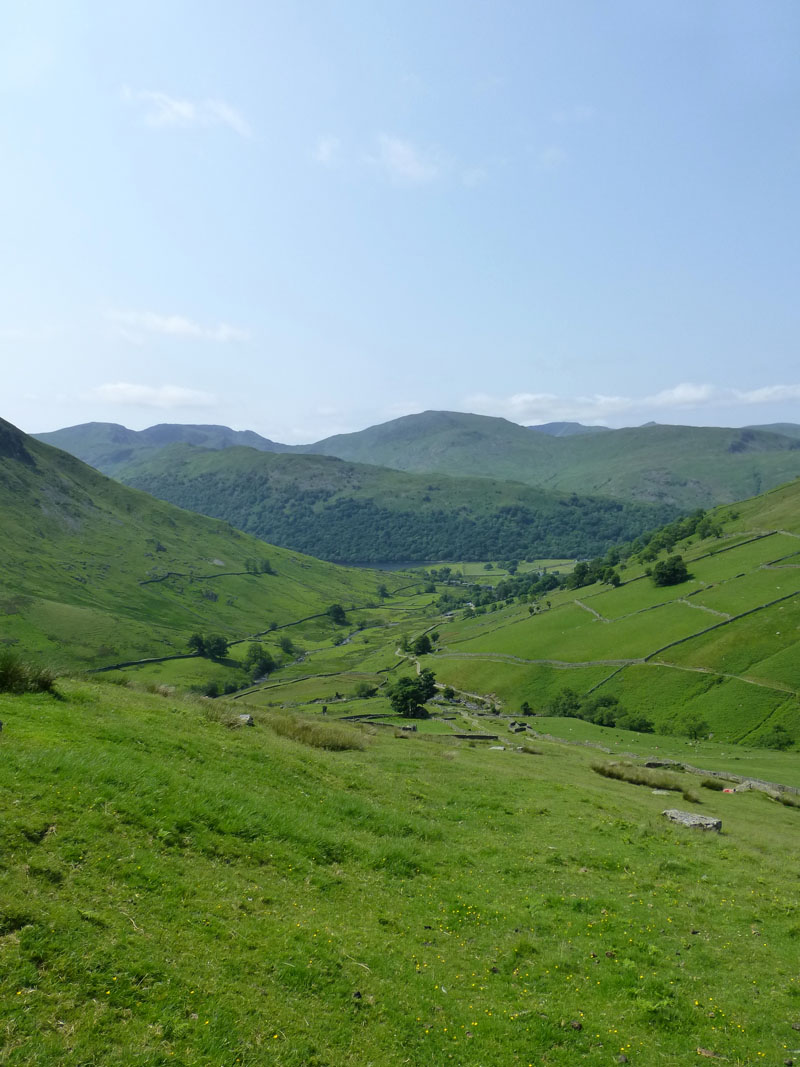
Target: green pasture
571,634
750,590
738,648
175,890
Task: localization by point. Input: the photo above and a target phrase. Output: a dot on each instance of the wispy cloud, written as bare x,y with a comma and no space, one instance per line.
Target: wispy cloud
327,150
152,396
552,157
161,110
576,114
134,323
597,407
472,177
404,162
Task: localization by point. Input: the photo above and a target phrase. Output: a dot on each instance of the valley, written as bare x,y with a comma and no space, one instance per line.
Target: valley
192,834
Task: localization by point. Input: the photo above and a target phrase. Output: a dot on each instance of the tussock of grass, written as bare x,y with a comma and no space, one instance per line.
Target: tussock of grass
631,772
17,676
331,736
716,784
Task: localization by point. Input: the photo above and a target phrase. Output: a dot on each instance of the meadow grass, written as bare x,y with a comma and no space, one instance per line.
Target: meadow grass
176,891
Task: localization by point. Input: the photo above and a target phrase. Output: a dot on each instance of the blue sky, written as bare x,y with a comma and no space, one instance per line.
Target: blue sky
305,218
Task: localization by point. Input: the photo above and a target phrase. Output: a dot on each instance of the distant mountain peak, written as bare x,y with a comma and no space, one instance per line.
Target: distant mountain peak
566,429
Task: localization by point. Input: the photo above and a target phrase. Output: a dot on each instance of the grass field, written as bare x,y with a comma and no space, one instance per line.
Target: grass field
175,891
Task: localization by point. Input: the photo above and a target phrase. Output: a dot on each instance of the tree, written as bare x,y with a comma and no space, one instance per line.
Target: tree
216,646
422,645
383,592
693,726
337,614
197,644
408,695
258,660
670,571
286,644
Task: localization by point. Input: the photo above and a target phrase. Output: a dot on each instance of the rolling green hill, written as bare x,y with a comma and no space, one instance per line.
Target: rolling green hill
95,572
362,513
683,466
107,445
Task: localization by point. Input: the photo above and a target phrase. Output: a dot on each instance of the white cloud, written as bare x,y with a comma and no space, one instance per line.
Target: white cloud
133,323
149,396
327,150
161,110
406,163
598,407
768,394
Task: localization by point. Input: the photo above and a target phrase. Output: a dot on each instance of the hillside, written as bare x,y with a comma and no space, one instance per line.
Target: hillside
96,572
722,646
196,894
351,512
106,445
681,466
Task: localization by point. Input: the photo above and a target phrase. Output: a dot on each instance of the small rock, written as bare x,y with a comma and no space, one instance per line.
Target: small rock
611,955
576,1025
357,995
622,1058
688,818
246,720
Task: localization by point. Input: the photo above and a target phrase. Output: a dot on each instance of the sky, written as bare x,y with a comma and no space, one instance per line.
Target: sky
307,218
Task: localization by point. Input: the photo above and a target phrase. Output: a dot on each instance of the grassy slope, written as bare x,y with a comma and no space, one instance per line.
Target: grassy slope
679,465
724,645
358,512
177,892
77,547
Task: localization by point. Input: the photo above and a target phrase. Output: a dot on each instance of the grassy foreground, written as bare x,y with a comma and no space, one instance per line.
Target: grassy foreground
175,891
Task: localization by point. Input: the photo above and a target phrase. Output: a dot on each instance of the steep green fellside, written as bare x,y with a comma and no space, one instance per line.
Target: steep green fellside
352,512
176,891
95,572
723,646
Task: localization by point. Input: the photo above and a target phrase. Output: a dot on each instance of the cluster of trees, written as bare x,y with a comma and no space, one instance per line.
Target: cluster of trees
214,646
647,546
603,710
258,566
258,661
670,571
353,530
